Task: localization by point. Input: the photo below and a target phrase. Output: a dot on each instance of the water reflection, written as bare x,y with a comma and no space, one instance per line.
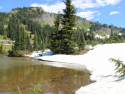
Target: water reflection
53,80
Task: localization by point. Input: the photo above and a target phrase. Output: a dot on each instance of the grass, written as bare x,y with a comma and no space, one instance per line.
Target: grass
5,26
2,37
84,25
101,33
15,12
7,47
42,23
117,31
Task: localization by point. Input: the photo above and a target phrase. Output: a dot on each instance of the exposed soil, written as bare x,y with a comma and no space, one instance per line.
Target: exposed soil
81,52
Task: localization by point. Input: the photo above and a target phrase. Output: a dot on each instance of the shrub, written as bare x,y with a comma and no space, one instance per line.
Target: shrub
33,90
16,53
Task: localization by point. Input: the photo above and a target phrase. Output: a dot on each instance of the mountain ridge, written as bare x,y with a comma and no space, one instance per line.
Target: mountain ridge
39,15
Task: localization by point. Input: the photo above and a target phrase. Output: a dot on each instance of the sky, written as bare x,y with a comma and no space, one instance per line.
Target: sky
104,11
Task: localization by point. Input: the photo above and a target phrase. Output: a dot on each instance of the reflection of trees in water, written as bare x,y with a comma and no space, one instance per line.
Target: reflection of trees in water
53,79
68,81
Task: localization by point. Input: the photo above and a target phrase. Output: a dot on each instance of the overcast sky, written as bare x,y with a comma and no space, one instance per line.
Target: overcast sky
104,11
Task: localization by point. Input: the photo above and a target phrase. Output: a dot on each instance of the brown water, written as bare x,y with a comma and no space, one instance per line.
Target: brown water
23,71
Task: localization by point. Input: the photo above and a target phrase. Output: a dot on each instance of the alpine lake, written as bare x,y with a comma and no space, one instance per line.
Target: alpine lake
23,71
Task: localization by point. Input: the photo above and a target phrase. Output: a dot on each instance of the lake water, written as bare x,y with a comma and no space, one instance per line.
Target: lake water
22,71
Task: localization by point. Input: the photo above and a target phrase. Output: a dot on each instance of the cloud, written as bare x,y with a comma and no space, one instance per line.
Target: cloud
107,2
119,7
50,8
49,0
83,4
99,13
87,14
97,19
114,12
1,7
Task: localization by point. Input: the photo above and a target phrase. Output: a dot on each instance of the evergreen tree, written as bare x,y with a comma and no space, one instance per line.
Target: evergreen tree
46,41
28,45
79,41
43,46
55,36
35,44
122,39
1,28
17,39
30,48
83,43
112,30
1,49
24,42
68,22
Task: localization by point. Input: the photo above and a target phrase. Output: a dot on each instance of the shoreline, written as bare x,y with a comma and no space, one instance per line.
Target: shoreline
102,70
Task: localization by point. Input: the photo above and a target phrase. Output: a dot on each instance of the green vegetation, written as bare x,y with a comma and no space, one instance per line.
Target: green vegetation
7,47
33,90
120,67
84,25
28,12
21,17
2,51
81,41
112,34
35,44
95,26
100,33
55,36
113,38
42,23
68,22
2,37
64,37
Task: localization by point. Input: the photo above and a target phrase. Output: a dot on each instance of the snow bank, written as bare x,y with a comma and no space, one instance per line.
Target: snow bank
97,62
102,70
36,54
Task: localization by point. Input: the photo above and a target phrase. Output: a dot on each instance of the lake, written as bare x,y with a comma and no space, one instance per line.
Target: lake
21,71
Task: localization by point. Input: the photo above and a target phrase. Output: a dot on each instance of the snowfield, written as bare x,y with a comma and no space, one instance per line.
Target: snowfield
97,62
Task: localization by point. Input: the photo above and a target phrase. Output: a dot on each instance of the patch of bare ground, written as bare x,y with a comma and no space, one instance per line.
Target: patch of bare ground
81,52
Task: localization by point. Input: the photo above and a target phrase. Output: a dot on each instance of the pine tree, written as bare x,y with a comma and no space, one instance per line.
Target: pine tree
35,44
24,42
1,49
28,46
46,41
120,67
68,22
17,39
1,28
122,39
55,36
83,43
112,30
31,48
79,41
43,46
